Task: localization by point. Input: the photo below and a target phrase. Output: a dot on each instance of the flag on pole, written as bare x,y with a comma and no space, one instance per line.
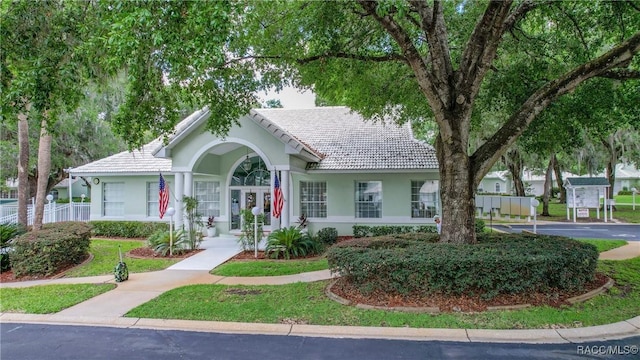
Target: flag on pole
163,196
278,200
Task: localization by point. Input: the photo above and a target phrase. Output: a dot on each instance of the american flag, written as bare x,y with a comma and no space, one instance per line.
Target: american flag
278,200
163,196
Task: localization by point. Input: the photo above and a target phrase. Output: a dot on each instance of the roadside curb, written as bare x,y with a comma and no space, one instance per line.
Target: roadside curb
615,331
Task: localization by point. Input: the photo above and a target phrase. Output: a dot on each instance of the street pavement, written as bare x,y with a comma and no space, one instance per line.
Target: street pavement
626,232
83,343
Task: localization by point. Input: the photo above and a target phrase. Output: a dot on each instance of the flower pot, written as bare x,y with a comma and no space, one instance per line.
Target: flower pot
211,232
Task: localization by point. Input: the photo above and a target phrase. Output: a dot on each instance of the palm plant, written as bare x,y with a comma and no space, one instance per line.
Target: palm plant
290,242
160,242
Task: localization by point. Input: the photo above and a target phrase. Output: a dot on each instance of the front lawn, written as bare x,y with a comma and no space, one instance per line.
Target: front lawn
48,299
624,213
604,245
106,257
306,303
270,267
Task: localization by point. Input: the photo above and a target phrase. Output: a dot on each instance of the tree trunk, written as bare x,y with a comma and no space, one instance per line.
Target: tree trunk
609,144
457,191
560,182
548,183
44,167
513,160
23,165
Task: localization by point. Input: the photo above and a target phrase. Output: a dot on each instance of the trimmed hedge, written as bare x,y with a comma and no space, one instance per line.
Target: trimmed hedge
328,235
49,250
498,264
380,230
127,229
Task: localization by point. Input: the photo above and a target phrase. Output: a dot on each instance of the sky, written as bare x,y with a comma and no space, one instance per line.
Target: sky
292,98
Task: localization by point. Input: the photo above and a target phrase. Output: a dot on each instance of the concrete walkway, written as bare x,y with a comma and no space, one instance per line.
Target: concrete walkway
109,308
629,251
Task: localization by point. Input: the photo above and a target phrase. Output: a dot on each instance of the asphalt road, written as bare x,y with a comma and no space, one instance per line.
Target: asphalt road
627,232
52,342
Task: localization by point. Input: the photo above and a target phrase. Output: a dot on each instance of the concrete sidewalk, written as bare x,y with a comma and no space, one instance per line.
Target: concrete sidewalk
109,308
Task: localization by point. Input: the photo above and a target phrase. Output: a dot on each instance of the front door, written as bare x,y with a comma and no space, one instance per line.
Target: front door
248,198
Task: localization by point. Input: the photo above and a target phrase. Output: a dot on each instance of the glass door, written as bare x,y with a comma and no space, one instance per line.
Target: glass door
247,199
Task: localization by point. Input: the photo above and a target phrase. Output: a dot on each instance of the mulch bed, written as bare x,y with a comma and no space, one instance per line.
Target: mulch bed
462,303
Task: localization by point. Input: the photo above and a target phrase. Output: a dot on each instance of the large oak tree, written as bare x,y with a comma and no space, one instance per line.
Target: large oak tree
401,60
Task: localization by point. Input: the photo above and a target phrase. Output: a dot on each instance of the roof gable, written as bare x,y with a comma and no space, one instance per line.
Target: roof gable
586,181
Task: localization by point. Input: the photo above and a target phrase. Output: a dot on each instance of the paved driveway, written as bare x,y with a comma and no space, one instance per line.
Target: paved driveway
627,232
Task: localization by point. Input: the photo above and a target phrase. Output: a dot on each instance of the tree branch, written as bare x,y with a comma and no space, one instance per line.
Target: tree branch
487,154
481,49
621,74
341,55
427,82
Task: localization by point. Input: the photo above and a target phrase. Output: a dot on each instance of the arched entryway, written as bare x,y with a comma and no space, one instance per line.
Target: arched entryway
250,186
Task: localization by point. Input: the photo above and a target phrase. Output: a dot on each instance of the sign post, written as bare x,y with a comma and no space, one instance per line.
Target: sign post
255,211
534,205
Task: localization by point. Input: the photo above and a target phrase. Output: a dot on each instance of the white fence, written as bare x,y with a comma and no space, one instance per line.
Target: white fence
52,213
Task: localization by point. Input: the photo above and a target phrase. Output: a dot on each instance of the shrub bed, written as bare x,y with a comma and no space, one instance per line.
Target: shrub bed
51,249
498,264
127,229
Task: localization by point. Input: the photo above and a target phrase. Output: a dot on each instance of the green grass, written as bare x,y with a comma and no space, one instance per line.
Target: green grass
604,245
624,213
306,303
47,299
106,257
270,267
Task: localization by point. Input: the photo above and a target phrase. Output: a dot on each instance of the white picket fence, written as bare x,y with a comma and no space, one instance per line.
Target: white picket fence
53,212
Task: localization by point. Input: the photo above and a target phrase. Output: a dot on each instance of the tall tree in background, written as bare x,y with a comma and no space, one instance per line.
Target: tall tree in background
42,71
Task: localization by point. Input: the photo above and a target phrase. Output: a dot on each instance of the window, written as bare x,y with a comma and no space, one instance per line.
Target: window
368,199
208,195
113,199
254,174
313,199
424,199
498,187
152,199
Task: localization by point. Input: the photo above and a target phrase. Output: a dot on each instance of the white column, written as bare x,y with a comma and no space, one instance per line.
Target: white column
286,209
188,183
178,191
71,212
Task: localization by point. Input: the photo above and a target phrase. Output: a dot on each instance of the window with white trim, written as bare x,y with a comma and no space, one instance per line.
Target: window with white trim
313,199
424,198
208,195
368,199
498,187
113,199
153,199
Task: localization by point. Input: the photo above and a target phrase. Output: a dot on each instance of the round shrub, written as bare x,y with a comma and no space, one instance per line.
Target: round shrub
328,235
498,264
50,249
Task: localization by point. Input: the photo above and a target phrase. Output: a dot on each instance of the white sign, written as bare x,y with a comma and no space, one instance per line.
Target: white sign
585,197
582,213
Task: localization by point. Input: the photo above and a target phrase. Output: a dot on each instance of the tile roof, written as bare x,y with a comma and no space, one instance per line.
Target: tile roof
348,142
139,161
339,138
